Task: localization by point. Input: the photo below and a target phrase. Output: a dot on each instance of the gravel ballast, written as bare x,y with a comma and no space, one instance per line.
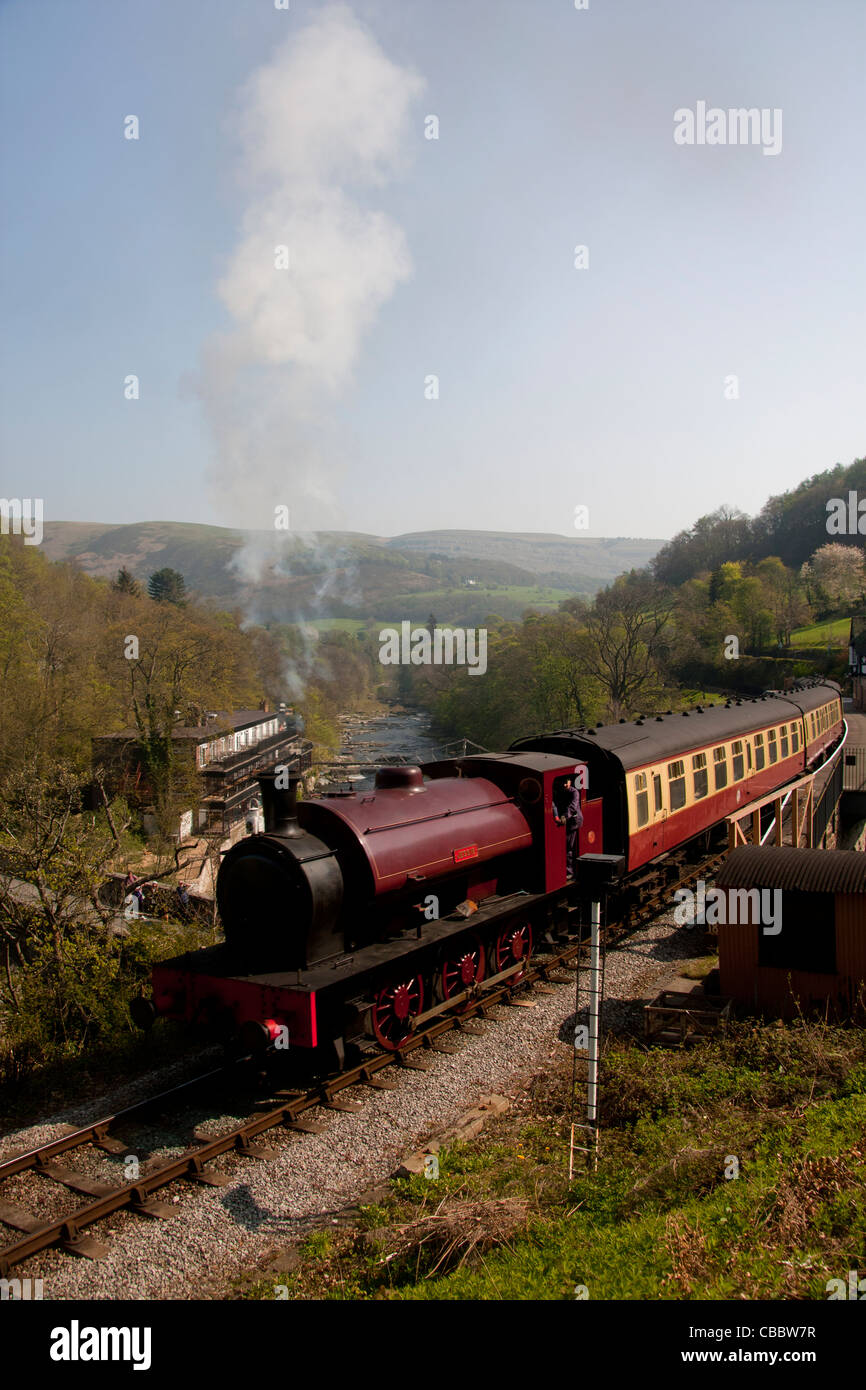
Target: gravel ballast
218,1233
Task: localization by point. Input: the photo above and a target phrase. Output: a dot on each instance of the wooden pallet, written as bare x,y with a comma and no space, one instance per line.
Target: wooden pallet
675,1017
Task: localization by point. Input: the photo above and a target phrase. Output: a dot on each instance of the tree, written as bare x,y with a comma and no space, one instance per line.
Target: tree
185,660
126,583
627,631
835,576
167,586
783,596
724,534
59,954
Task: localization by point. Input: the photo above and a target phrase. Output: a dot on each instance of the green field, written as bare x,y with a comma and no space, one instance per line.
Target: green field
833,633
532,595
455,607
340,624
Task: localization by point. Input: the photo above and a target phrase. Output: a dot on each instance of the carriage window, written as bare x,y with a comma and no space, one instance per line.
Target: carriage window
657,791
759,751
783,741
720,764
699,772
772,751
642,798
738,761
677,784
795,738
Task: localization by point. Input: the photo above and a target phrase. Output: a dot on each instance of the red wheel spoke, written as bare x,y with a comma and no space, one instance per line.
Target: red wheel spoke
394,1011
513,945
462,970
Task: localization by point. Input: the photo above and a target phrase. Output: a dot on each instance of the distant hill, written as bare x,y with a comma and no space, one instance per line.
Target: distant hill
586,563
352,574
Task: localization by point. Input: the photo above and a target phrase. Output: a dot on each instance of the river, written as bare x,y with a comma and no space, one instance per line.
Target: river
379,738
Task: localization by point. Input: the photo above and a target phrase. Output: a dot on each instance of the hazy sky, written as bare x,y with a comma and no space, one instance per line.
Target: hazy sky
410,257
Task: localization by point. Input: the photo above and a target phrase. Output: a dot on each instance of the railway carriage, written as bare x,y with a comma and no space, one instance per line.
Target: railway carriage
358,916
666,779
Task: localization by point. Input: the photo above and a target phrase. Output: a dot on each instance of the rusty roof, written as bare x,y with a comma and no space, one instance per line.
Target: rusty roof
806,870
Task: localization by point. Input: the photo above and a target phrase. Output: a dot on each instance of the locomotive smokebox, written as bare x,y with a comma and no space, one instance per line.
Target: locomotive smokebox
279,893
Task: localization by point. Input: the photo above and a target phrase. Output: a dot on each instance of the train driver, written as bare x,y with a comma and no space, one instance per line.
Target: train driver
566,811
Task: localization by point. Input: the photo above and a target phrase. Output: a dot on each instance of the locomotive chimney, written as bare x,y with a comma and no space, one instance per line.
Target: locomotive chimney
280,803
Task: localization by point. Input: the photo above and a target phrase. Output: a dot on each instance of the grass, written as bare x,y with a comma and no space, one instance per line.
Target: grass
456,597
736,1169
445,601
342,624
833,633
699,969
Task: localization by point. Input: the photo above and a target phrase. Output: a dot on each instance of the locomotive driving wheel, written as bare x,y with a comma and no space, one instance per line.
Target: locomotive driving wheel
394,1010
514,944
463,969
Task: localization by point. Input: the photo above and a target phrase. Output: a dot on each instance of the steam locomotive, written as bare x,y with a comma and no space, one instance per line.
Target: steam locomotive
358,916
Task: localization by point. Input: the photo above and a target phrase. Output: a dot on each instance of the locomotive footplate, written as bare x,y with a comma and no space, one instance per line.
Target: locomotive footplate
323,1002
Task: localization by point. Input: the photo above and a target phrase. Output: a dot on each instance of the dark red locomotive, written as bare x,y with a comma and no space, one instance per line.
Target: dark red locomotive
352,914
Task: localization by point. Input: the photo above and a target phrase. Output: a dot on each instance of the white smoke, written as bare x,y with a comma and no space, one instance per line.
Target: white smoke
320,125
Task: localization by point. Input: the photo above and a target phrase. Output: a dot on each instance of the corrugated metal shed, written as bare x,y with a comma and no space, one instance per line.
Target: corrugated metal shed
806,870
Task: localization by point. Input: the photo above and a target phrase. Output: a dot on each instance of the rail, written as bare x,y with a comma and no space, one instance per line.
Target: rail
69,1231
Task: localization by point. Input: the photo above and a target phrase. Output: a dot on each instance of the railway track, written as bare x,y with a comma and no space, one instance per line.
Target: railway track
70,1231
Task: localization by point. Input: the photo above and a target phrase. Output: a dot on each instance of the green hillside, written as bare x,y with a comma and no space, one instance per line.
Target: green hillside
462,575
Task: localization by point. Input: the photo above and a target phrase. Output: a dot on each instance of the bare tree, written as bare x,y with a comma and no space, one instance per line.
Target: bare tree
626,627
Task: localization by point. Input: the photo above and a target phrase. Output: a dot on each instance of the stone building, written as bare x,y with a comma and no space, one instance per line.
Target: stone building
223,755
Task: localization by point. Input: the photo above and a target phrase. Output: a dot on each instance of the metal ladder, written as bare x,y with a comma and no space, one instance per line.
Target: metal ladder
588,1000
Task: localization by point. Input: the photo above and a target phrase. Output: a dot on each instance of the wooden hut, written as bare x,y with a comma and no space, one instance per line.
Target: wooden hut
806,943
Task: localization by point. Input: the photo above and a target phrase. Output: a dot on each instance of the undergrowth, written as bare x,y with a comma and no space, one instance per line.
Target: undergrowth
736,1169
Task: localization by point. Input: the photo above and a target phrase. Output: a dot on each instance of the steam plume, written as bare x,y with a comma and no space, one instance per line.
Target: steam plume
321,125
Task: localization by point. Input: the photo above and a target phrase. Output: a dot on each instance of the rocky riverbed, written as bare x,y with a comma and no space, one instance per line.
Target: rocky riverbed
368,740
